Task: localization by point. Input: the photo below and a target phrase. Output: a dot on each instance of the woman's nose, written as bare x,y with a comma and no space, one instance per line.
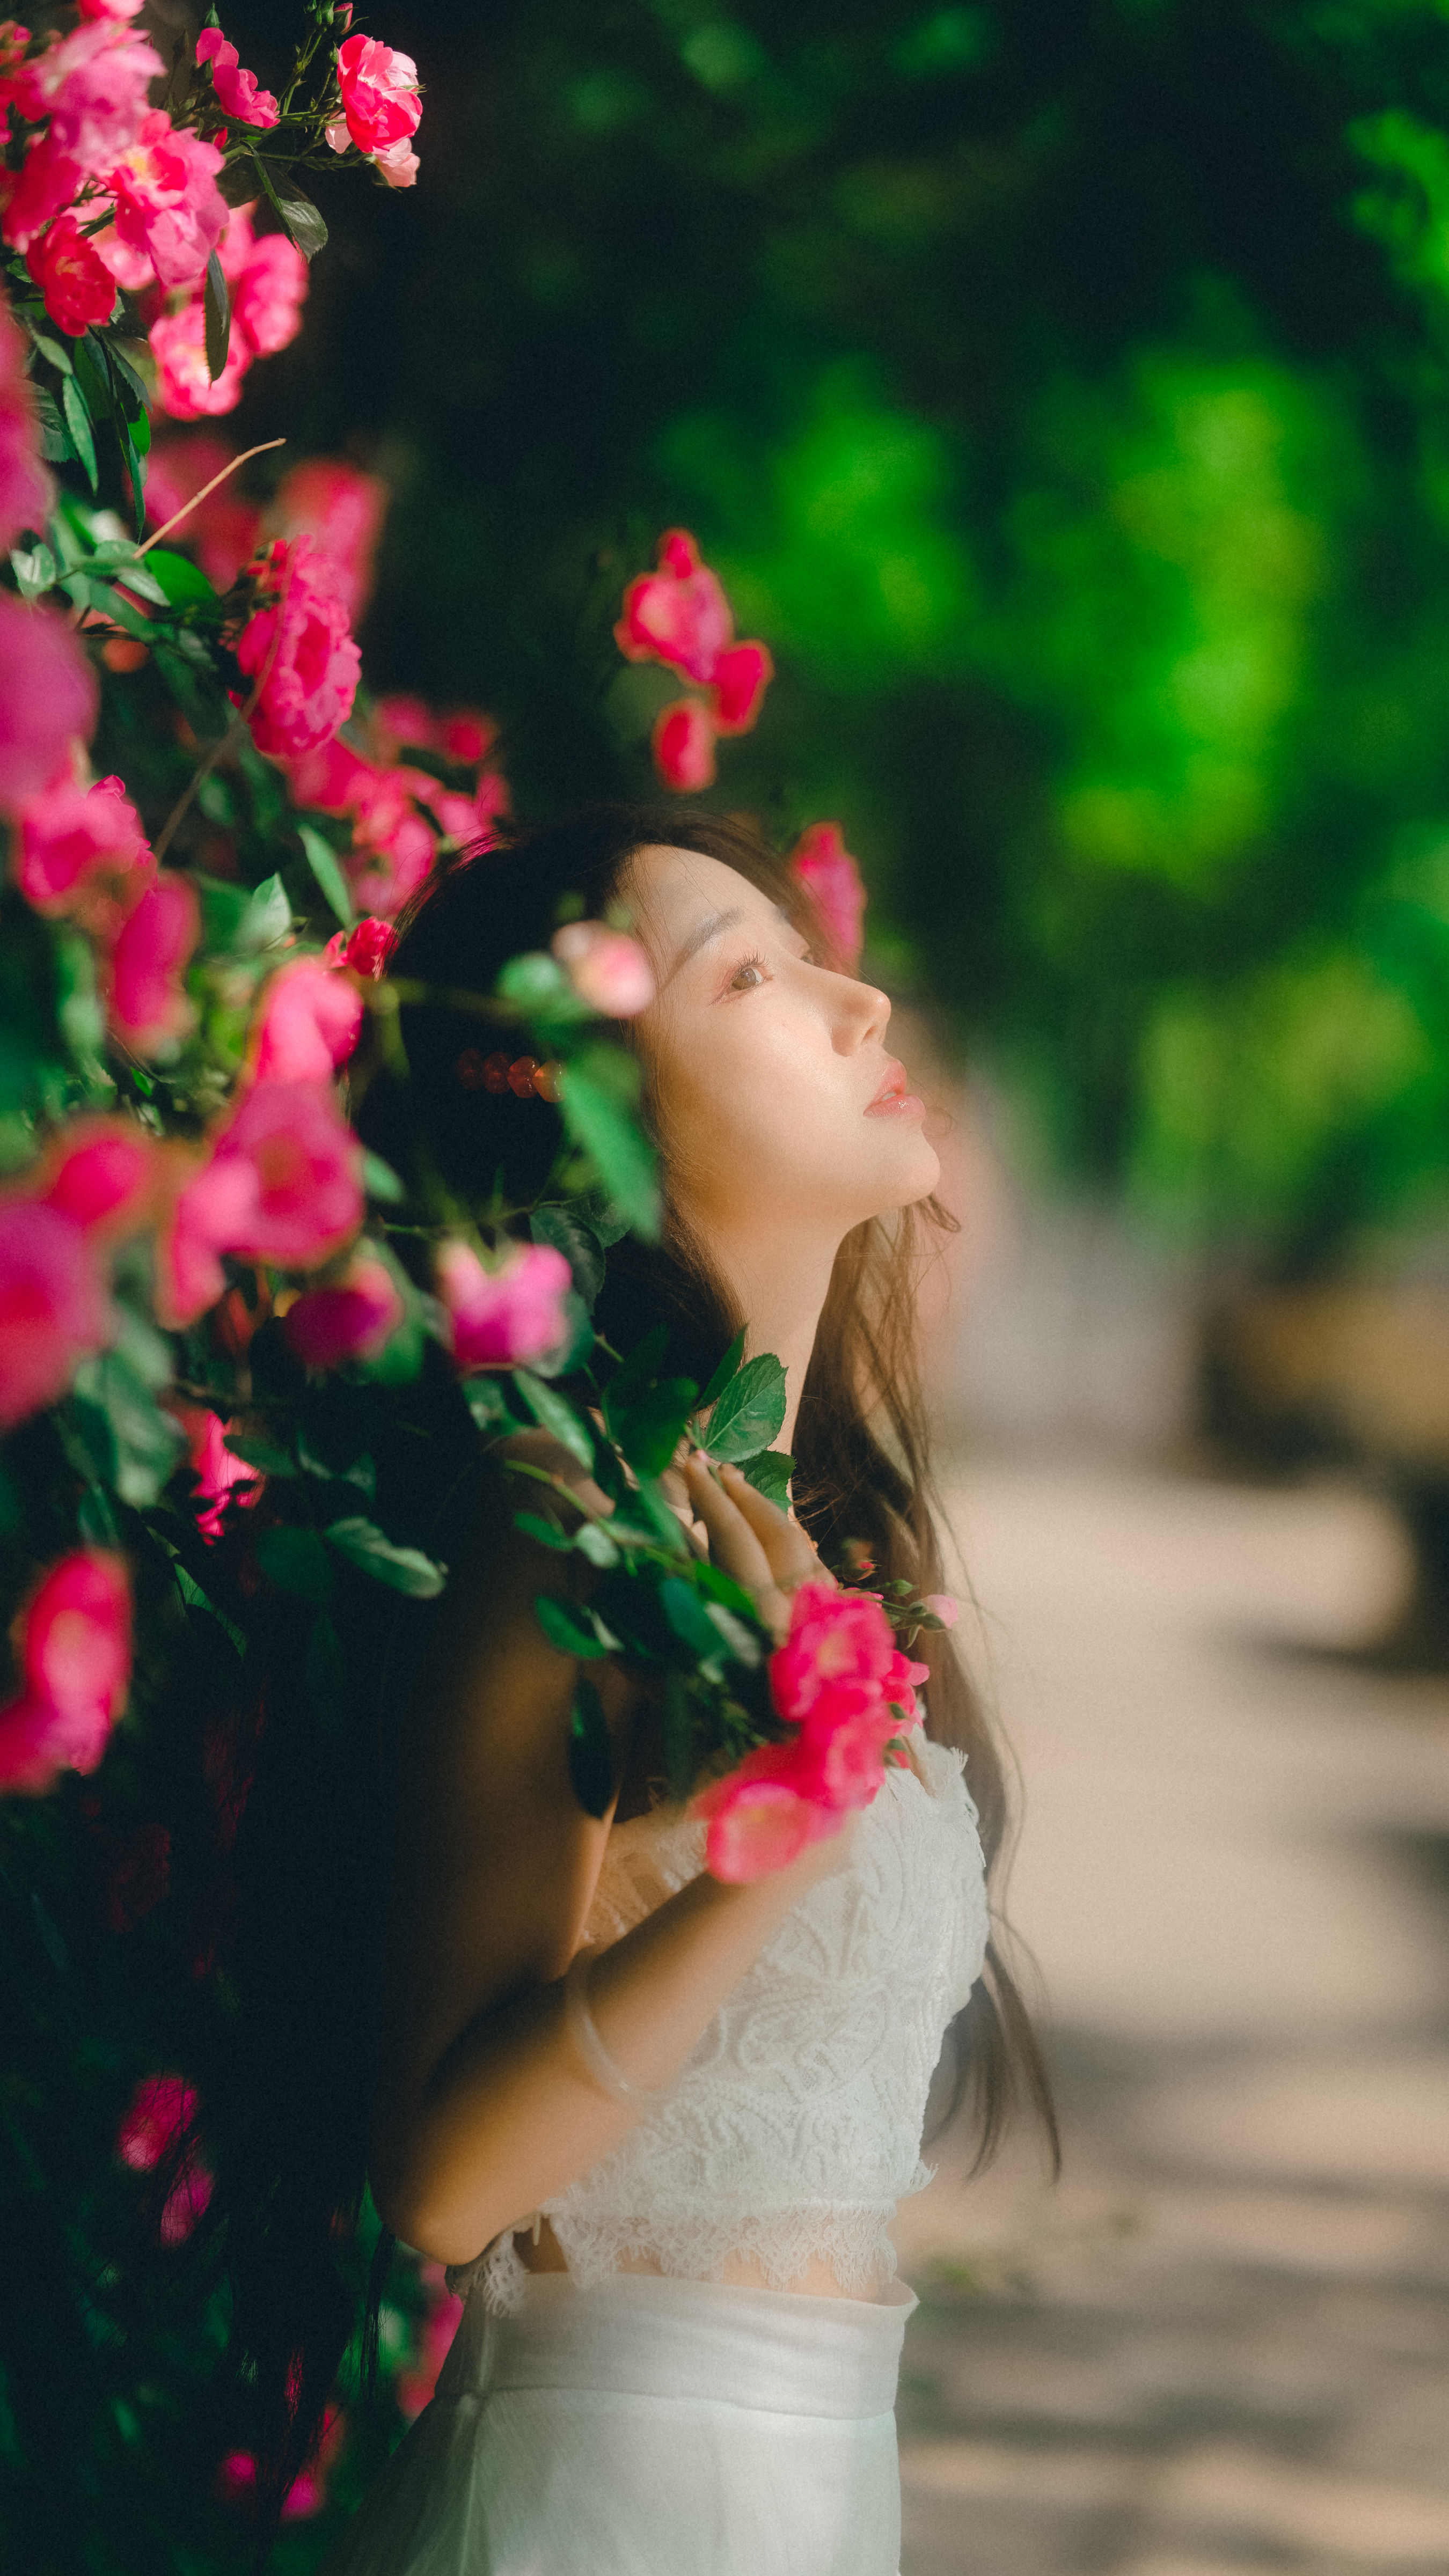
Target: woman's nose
865,1013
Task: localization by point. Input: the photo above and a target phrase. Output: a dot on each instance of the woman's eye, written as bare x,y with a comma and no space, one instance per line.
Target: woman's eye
746,977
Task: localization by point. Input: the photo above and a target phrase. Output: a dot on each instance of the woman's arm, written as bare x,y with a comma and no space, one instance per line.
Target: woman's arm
481,2106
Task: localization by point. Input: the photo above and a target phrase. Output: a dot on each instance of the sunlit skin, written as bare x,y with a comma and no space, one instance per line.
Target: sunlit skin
784,1122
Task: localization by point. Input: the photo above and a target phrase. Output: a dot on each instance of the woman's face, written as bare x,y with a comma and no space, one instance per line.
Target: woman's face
780,1106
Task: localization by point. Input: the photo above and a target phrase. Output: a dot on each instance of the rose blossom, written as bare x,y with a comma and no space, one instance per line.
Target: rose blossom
160,2107
217,1472
147,999
74,1645
392,848
380,102
237,93
683,744
503,1318
47,697
282,1184
167,201
607,969
758,1821
741,677
77,286
120,10
678,614
308,1023
366,948
185,388
26,490
53,1306
300,650
100,1173
340,508
946,1606
823,864
82,851
269,294
48,181
92,89
348,1321
465,735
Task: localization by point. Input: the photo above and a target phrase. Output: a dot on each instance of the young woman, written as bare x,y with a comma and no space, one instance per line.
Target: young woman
657,2125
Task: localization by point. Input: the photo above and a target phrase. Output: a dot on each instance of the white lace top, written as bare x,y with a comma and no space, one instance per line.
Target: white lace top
796,2125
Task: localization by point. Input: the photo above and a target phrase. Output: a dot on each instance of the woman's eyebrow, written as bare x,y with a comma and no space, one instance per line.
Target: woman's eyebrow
709,928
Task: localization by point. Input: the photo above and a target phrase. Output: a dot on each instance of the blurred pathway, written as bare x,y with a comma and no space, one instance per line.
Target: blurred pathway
1221,2346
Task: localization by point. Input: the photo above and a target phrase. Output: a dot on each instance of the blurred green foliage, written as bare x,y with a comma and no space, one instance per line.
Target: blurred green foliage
1061,389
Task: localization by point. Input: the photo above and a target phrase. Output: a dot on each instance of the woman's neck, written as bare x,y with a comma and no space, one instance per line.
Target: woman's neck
781,1290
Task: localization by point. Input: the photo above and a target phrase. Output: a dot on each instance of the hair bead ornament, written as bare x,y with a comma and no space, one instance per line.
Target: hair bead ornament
524,1076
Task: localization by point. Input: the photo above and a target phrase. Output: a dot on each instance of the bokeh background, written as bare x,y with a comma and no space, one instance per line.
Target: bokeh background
1063,392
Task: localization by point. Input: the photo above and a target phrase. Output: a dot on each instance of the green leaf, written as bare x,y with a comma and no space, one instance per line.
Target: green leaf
403,1569
573,1236
537,985
195,1599
740,1639
55,350
749,1413
217,300
592,1540
381,1182
266,918
262,1454
125,1427
34,572
95,1519
301,217
118,555
55,440
133,457
296,1561
725,1371
647,1507
183,582
769,1471
591,1751
565,1629
487,1401
688,1617
78,422
610,1135
645,1413
323,861
547,1532
130,389
557,1415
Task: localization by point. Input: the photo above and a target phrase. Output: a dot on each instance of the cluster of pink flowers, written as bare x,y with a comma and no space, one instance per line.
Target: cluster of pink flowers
500,1319
73,1647
267,281
219,1476
401,815
161,2109
824,866
380,108
679,615
281,1183
82,855
841,1682
99,1183
298,652
307,2494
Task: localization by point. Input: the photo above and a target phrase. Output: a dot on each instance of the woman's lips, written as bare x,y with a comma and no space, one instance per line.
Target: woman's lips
893,1100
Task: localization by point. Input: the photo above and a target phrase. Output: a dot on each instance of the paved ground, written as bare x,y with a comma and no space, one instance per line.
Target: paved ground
1221,2346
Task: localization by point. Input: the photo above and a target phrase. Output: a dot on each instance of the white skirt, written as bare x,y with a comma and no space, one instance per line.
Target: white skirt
649,2427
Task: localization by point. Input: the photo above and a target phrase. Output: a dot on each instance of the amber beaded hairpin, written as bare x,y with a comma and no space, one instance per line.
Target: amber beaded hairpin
525,1077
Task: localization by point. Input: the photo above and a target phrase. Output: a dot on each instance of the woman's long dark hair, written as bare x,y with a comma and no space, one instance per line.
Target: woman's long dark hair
288,2107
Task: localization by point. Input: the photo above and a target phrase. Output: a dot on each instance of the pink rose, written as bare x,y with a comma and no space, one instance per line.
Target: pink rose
823,864
308,1023
160,2107
101,1174
946,1606
380,102
465,735
82,851
53,1306
74,1646
92,87
366,948
741,677
342,510
398,164
300,650
328,778
607,969
392,850
49,180
503,1318
268,296
401,720
683,743
77,287
147,999
167,201
678,614
184,386
835,1636
26,490
131,269
305,1164
218,1475
185,2203
47,698
758,1821
237,94
120,10
349,1321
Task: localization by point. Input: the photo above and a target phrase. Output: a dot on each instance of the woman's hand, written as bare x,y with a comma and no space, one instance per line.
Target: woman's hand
752,1539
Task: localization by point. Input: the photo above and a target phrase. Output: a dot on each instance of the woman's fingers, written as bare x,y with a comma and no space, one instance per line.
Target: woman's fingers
792,1559
733,1543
